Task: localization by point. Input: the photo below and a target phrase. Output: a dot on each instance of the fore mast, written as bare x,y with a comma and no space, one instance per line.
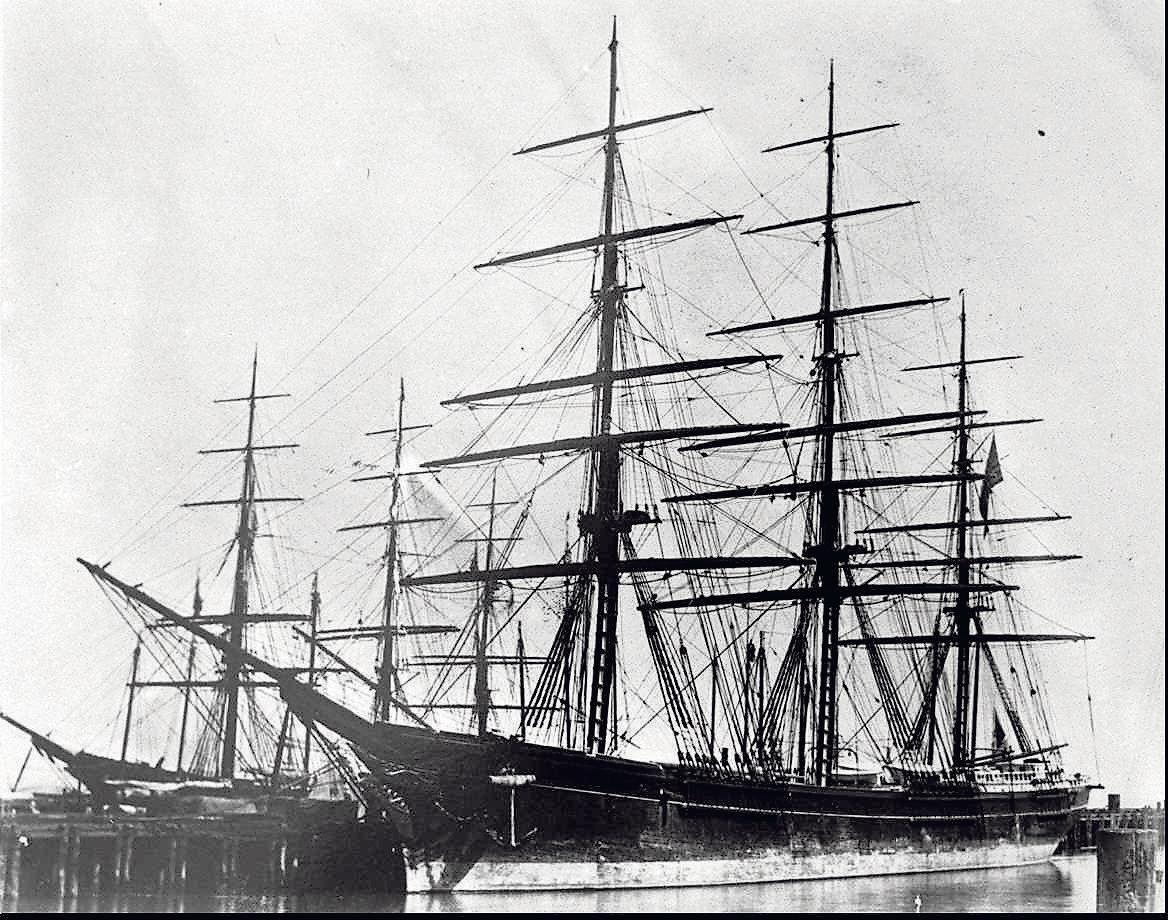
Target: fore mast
603,524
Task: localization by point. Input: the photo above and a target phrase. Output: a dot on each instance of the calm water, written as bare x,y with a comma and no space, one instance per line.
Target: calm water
1060,886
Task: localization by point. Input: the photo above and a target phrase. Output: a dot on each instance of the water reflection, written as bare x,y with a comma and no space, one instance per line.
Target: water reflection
1068,885
1063,885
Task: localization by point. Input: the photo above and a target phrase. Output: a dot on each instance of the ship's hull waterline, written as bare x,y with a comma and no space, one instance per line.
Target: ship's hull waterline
557,819
495,874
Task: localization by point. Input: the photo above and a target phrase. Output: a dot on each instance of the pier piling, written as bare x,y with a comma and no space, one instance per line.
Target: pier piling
14,859
5,846
182,862
1126,860
127,857
74,856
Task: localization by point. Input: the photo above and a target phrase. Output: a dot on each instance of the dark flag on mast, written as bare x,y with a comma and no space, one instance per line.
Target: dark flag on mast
999,737
993,475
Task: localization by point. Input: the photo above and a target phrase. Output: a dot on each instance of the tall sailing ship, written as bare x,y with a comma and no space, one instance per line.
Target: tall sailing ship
821,639
239,749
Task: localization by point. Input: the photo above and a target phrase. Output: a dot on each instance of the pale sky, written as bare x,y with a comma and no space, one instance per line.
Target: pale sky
184,182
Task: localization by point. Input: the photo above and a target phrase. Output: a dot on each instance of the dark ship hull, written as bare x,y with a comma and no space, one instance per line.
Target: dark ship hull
499,814
104,777
492,813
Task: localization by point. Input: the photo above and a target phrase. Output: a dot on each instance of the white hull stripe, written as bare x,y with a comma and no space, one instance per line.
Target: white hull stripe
492,874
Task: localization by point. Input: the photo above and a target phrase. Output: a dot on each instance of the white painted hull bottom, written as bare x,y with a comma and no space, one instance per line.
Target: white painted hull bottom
490,874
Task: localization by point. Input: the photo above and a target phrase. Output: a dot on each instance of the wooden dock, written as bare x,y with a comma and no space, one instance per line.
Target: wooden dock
1084,834
66,856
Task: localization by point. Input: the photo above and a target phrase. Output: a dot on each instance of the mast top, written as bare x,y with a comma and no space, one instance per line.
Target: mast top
252,395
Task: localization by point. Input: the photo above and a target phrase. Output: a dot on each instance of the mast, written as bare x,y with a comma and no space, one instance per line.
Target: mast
973,698
245,549
186,709
824,548
713,705
482,691
567,686
387,683
746,698
281,744
521,654
239,618
827,559
387,666
961,608
804,705
310,677
760,736
606,498
602,522
197,610
130,702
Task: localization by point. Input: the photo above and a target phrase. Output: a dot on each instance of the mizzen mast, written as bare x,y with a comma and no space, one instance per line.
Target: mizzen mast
969,645
961,608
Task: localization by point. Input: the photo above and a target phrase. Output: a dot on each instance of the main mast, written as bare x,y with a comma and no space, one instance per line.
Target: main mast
825,551
606,497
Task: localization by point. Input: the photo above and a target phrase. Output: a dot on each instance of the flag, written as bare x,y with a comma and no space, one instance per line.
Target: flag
999,737
993,475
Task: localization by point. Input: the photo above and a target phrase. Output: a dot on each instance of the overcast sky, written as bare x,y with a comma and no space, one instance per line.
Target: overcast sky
182,182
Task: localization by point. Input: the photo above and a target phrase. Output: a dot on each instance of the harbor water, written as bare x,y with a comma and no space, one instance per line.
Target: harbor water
1063,885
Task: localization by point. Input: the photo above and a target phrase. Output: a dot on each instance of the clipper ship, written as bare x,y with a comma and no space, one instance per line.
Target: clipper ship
870,627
